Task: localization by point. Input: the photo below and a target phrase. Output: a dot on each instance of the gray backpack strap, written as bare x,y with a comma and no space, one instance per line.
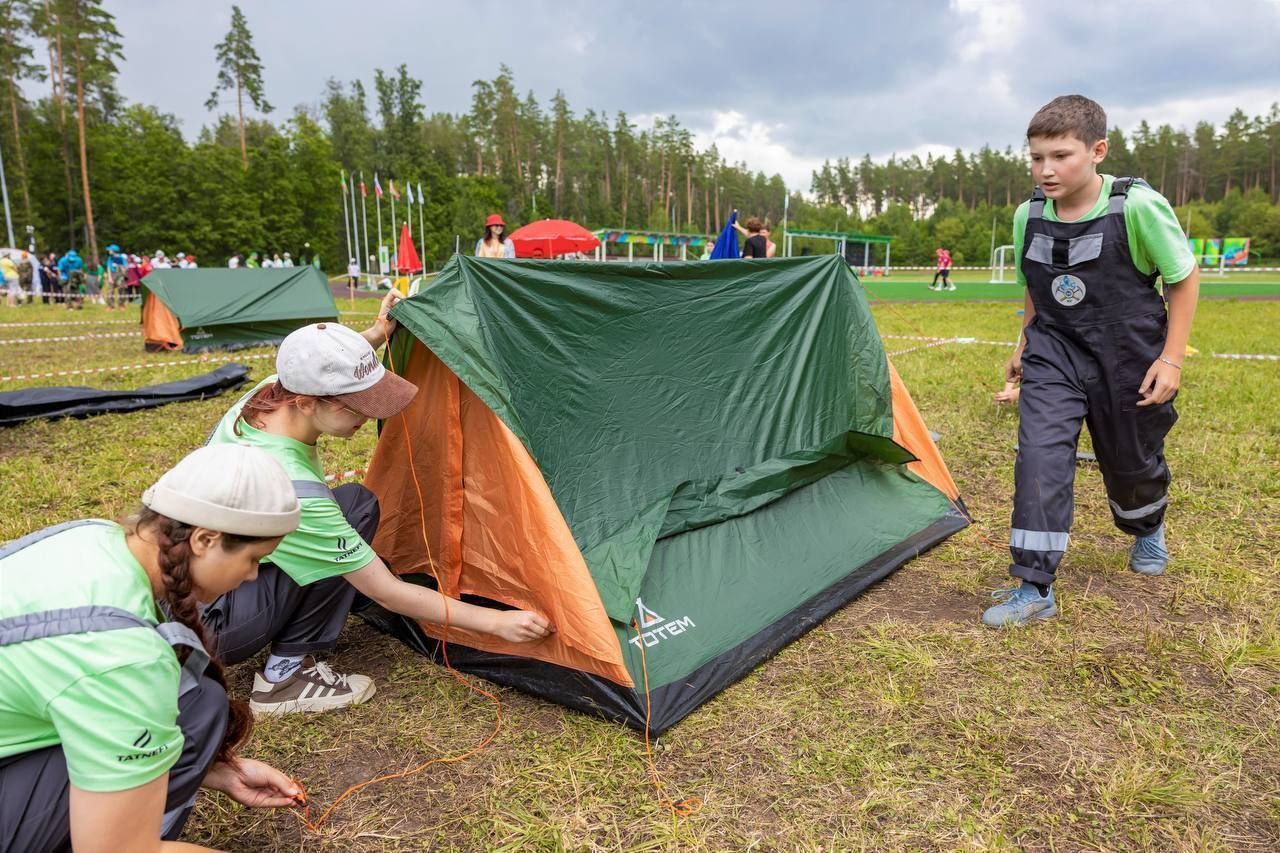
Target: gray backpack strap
1036,210
177,634
92,617
313,489
30,539
69,620
1119,192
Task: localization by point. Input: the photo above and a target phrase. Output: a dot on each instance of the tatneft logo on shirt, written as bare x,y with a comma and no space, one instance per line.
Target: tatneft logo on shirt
343,551
140,743
368,364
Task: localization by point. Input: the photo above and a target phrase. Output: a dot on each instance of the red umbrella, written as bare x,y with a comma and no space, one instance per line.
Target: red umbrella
552,237
407,257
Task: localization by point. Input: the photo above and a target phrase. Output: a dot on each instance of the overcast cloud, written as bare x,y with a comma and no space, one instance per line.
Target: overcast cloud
780,86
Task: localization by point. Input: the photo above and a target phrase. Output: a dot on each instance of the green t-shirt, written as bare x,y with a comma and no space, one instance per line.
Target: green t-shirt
325,544
110,698
1156,241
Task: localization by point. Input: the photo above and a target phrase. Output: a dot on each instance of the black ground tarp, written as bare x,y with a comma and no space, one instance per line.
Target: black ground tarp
76,402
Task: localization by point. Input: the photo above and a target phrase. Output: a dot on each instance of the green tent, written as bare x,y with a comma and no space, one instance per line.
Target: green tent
201,309
685,466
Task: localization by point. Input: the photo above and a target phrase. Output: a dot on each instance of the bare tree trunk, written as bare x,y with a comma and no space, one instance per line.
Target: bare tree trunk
626,192
244,149
706,209
17,143
60,95
688,192
559,164
84,159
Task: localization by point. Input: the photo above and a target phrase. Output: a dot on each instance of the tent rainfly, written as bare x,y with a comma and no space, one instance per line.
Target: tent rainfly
684,467
203,309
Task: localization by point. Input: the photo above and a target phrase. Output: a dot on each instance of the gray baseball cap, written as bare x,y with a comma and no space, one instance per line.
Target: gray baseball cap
329,360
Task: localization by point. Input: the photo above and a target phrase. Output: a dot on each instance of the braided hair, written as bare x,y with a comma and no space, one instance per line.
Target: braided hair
173,539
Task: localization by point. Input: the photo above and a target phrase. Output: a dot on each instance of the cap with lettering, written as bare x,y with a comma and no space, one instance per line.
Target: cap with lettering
330,360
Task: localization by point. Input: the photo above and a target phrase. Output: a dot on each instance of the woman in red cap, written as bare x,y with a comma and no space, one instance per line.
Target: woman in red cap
493,244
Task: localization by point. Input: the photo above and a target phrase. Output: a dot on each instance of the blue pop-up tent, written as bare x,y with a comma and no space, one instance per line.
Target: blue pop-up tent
727,242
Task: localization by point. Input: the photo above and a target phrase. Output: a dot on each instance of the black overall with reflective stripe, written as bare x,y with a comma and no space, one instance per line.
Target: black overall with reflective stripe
1099,326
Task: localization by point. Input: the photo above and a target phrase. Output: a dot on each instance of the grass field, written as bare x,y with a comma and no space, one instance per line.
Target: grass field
1147,716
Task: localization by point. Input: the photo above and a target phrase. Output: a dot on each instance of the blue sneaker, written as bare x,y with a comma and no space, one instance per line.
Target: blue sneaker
1148,556
1021,605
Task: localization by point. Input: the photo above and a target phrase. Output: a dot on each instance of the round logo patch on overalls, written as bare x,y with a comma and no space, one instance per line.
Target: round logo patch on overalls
1068,290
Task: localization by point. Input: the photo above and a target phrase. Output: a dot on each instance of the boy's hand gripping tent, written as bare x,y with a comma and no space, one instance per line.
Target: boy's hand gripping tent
703,459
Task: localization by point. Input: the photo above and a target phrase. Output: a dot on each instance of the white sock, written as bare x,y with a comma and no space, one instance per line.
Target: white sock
280,667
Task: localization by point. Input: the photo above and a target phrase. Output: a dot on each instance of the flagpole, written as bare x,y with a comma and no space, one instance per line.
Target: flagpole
355,223
377,206
364,213
395,234
422,233
346,223
346,226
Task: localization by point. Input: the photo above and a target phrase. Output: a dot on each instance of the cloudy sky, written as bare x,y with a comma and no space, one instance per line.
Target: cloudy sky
781,86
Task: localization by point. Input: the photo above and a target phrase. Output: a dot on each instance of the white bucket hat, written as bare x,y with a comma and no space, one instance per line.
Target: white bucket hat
231,488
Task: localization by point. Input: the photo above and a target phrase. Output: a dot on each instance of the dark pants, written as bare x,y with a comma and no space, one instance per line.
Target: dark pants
274,610
35,792
943,274
1065,384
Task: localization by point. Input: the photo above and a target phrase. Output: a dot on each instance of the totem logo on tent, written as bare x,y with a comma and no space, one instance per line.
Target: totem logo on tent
654,628
200,334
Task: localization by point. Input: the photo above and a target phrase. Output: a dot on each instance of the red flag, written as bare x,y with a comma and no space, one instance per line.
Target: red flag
363,192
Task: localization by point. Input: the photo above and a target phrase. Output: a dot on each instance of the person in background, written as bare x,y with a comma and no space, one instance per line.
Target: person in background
770,247
9,275
707,249
26,276
29,276
71,274
113,283
944,271
288,260
353,273
492,244
50,279
252,262
756,246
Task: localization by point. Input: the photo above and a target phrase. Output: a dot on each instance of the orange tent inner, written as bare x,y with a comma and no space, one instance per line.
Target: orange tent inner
492,527
910,432
159,325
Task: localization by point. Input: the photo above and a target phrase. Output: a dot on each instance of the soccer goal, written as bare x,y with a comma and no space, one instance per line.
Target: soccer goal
1002,266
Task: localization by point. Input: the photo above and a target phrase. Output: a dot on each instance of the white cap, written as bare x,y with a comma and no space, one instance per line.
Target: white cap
330,360
231,488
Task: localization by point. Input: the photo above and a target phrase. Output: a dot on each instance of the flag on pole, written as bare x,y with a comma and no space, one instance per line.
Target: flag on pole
377,187
364,193
392,185
420,201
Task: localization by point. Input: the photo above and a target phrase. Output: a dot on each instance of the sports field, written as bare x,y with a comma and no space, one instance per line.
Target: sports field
1147,716
913,285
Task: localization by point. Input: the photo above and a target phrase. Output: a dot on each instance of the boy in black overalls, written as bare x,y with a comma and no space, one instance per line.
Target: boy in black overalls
1098,347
